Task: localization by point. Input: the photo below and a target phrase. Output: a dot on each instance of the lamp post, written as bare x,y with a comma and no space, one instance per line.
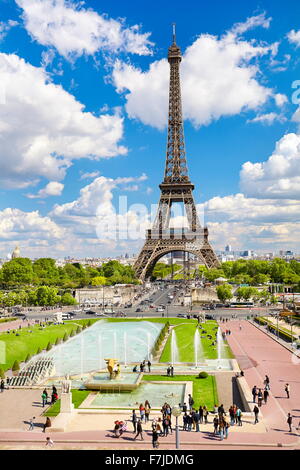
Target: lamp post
176,411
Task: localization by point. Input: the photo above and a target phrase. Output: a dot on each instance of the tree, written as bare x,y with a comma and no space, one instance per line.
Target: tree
2,375
68,299
46,271
99,281
16,366
18,271
224,292
49,346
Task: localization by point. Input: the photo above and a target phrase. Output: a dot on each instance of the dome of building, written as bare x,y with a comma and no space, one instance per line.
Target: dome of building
16,253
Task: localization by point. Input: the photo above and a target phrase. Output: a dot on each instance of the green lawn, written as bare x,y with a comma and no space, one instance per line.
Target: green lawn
18,347
204,390
185,333
78,397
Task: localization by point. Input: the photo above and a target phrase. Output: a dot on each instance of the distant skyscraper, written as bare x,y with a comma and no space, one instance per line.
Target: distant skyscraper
228,248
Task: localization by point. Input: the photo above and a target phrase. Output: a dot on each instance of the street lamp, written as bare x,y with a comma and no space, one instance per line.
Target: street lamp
176,411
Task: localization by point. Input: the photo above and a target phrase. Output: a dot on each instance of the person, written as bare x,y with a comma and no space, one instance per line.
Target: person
31,424
196,421
184,408
266,395
205,415
49,442
287,390
290,421
117,429
165,424
54,398
142,411
189,422
149,366
54,389
2,386
254,393
168,371
139,430
201,415
256,413
172,371
185,422
221,428
47,424
239,416
44,399
134,420
135,369
267,382
216,425
226,426
147,411
231,414
221,411
155,443
191,402
259,397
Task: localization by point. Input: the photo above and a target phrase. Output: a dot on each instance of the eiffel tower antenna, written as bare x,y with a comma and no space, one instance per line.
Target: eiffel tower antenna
176,187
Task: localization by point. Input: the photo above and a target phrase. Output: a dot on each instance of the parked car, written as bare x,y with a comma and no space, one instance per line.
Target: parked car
90,312
181,315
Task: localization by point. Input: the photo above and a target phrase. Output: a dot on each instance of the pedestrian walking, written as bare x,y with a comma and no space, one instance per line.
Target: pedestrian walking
134,420
149,366
226,427
2,386
185,422
254,393
287,390
172,371
259,397
155,443
290,421
205,415
201,415
196,421
139,430
49,442
216,425
142,412
256,413
267,382
266,395
31,424
231,415
44,399
147,411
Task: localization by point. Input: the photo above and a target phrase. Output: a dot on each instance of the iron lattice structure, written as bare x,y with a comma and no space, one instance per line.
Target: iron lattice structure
176,187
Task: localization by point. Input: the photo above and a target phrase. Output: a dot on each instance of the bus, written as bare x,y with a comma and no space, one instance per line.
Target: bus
241,305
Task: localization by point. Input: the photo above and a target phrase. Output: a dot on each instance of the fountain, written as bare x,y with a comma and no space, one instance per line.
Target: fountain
198,350
174,349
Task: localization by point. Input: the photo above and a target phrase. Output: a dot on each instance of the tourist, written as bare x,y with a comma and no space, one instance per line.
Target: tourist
221,411
149,366
134,420
254,393
165,424
196,421
267,382
155,443
185,422
54,390
201,415
191,402
47,424
135,369
147,411
205,415
2,386
239,416
142,412
172,371
170,423
117,429
31,424
231,415
46,394
184,408
290,421
266,395
49,442
226,427
139,430
216,409
216,425
259,397
168,371
256,413
221,428
287,390
44,399
189,422
54,398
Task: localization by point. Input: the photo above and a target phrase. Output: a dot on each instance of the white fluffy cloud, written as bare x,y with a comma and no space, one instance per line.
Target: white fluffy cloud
279,176
294,37
5,27
75,31
51,189
219,78
43,128
268,119
18,225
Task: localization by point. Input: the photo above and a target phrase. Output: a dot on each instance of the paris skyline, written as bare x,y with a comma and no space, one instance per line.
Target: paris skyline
83,115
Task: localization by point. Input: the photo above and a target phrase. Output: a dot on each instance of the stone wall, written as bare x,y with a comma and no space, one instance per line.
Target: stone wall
112,295
204,295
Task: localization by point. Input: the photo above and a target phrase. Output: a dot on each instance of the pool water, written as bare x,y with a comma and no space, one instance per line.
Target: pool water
128,342
156,394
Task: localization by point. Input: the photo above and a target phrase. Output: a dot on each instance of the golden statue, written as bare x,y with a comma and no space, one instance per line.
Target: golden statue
113,368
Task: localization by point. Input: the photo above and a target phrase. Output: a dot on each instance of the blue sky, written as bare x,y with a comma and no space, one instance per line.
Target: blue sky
83,103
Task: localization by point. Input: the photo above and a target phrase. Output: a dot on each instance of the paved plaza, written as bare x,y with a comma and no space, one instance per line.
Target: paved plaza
258,355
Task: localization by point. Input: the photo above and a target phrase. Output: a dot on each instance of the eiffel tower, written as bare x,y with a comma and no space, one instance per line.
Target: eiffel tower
176,187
